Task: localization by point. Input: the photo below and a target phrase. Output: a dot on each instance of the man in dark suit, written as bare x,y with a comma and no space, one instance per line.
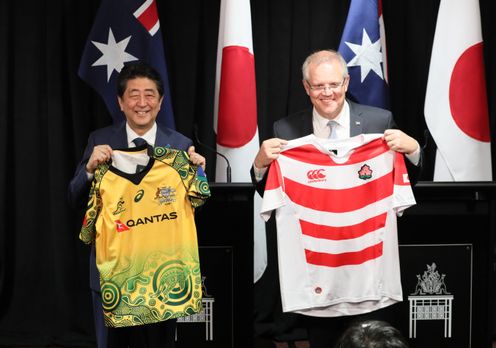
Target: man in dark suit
325,79
140,94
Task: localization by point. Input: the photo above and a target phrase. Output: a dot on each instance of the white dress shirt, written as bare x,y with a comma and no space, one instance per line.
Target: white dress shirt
149,136
322,130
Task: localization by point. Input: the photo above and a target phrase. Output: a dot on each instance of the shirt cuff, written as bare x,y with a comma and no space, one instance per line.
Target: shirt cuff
89,176
259,172
414,157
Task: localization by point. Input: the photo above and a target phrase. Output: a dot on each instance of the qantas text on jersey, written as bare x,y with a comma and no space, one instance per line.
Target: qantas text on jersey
336,216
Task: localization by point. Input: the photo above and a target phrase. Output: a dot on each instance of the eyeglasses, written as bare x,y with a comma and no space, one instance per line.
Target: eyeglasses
328,86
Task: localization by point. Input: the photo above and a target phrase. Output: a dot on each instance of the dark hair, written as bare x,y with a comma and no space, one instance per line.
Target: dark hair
372,334
135,70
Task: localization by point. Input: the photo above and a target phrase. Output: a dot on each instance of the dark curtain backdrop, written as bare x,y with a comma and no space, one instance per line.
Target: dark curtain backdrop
47,112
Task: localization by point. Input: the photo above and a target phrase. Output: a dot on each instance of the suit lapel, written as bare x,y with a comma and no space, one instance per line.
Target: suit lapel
356,120
161,138
118,140
306,125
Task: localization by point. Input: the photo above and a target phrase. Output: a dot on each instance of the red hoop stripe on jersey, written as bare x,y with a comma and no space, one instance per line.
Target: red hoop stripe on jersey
339,201
274,178
343,232
307,154
401,174
344,259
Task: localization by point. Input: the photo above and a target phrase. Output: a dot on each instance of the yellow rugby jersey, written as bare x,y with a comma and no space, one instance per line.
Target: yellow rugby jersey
145,234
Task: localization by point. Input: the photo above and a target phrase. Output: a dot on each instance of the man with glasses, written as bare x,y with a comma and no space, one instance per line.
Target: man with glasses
325,79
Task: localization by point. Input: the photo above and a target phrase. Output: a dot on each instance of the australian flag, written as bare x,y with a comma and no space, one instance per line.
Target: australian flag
363,48
124,31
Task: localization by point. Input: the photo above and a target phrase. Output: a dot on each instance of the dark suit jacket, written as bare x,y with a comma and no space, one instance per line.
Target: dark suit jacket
363,120
116,137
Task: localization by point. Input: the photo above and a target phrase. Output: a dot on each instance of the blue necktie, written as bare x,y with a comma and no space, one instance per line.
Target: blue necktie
139,142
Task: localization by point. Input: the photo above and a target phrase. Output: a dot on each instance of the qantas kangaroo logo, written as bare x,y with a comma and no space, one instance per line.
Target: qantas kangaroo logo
316,175
120,227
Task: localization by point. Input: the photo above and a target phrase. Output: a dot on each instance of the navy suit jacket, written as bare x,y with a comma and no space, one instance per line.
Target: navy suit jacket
116,137
363,120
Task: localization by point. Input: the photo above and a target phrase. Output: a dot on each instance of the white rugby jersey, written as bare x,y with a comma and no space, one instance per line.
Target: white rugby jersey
336,203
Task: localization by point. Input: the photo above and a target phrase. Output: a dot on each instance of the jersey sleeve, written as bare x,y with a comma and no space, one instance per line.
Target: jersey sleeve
199,190
273,197
403,197
193,177
88,230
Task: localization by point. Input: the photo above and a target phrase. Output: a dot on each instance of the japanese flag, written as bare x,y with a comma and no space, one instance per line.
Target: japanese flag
235,114
456,110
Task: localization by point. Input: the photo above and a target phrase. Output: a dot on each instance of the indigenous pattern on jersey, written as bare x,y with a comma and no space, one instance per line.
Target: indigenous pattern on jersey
141,216
336,203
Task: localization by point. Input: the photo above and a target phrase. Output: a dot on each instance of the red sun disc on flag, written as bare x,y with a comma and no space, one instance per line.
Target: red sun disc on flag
237,117
467,94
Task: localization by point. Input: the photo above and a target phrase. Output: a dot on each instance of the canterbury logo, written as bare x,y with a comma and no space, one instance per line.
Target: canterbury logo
120,227
316,174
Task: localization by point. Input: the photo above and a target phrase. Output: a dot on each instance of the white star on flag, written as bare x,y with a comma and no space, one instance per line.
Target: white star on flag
367,55
114,54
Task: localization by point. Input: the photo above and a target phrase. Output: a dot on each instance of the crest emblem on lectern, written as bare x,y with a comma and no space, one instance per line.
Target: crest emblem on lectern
431,282
430,301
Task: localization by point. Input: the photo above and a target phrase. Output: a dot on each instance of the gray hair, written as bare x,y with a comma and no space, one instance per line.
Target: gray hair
323,56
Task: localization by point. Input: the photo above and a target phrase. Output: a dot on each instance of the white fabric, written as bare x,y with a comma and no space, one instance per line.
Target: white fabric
456,57
128,161
235,30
